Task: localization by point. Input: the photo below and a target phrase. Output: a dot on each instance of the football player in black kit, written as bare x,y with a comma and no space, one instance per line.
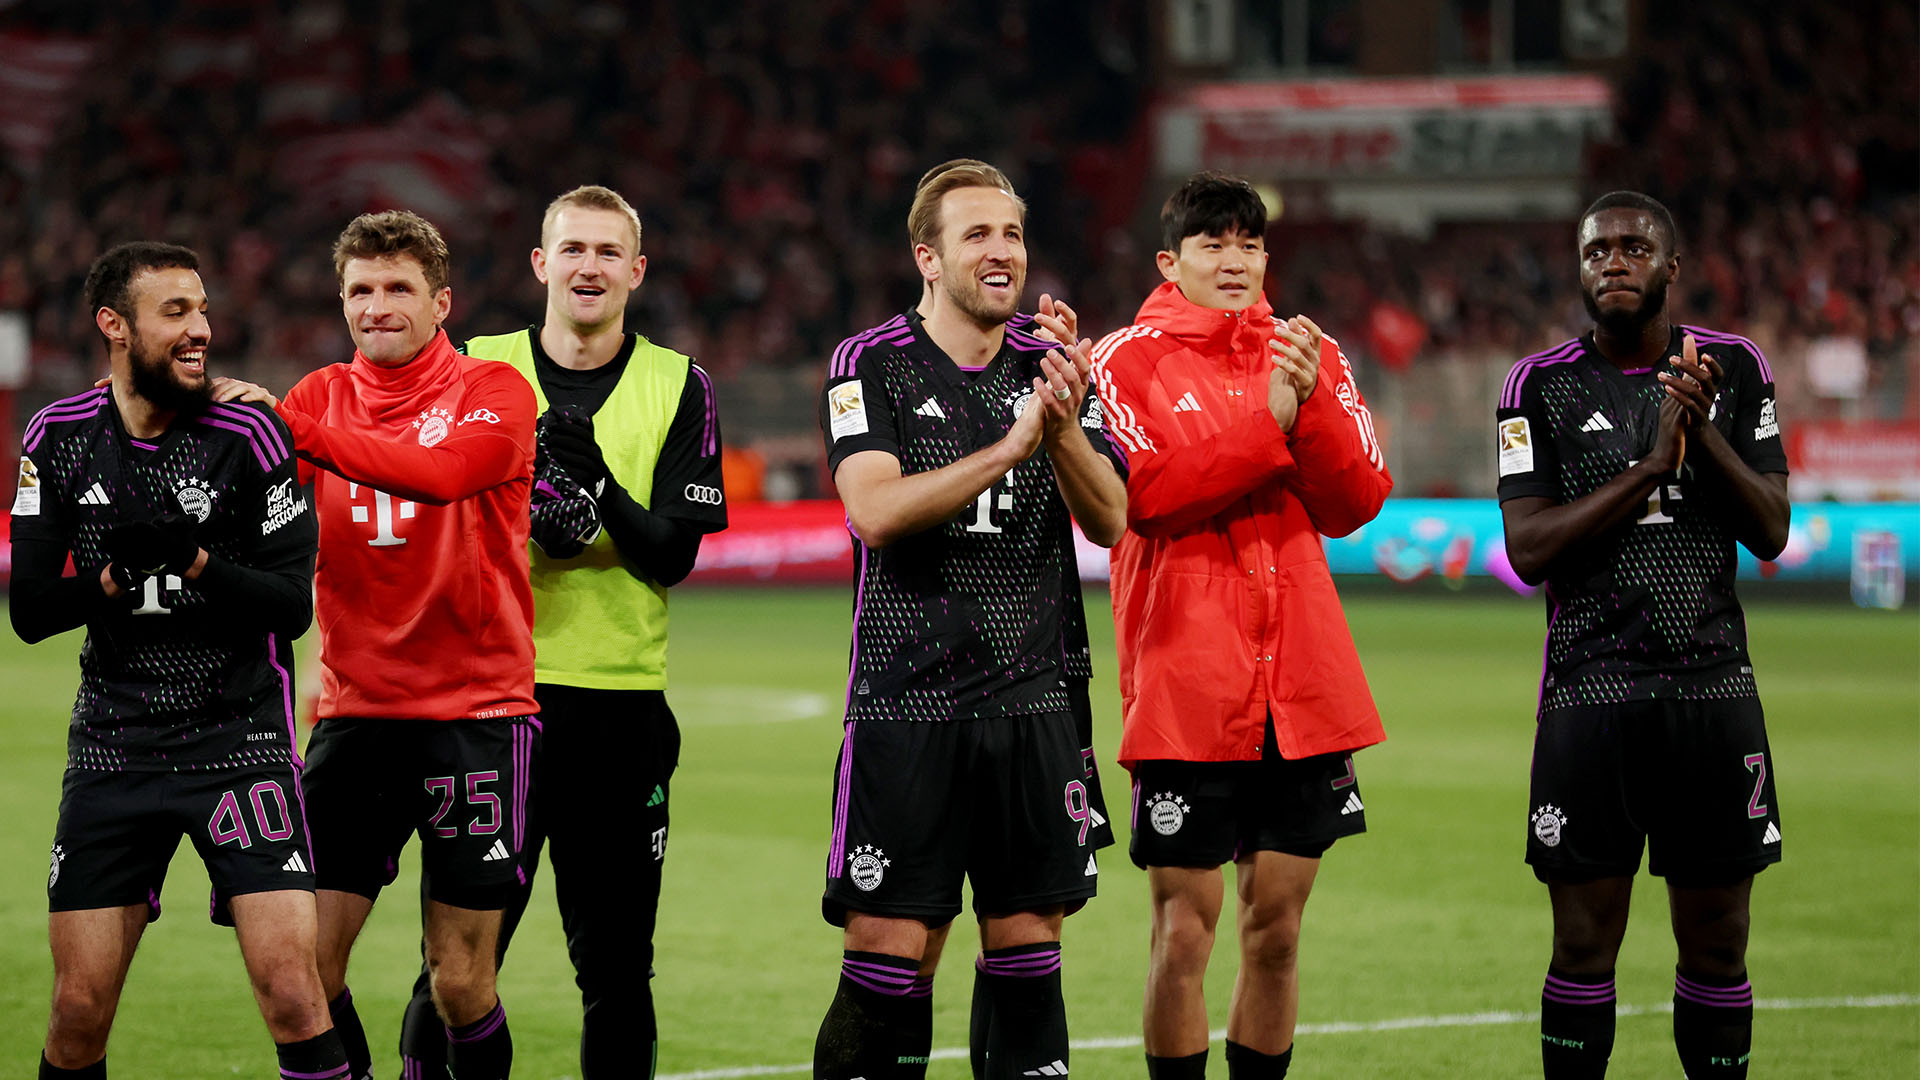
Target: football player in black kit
194,549
961,443
1632,459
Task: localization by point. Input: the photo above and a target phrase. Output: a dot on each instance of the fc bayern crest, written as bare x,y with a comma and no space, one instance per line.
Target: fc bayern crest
1018,402
1547,823
196,501
867,866
433,425
1167,813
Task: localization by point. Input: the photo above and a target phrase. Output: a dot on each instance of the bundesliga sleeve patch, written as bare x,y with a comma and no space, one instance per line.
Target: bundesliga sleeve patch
846,410
26,498
1516,446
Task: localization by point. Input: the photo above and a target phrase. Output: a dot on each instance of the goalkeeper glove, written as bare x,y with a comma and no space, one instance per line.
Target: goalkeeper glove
570,442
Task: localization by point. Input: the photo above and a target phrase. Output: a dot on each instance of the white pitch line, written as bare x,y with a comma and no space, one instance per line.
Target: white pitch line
1350,1027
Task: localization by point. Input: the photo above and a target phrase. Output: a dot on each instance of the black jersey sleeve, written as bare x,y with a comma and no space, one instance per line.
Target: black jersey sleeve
687,483
688,498
268,582
42,601
1093,421
1526,456
1756,422
855,411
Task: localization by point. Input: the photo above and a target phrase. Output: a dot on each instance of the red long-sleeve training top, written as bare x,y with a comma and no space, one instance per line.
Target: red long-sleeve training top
421,478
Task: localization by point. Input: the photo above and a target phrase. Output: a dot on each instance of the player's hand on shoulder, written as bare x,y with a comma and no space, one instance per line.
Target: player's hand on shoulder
227,388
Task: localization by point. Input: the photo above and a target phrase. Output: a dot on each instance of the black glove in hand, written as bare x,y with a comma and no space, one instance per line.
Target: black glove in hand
570,441
131,581
164,545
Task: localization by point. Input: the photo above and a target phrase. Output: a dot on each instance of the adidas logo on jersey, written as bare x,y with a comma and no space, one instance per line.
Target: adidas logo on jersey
1353,805
1772,835
1187,403
295,864
1093,868
95,496
1058,1068
497,852
1597,422
659,796
932,408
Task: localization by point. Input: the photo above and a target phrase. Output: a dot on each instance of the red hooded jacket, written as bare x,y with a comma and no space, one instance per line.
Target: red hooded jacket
1224,610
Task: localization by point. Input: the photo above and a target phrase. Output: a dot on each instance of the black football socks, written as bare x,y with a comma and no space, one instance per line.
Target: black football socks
1576,1025
1246,1063
869,1030
50,1071
482,1050
1028,1033
1713,1025
353,1037
318,1058
1188,1067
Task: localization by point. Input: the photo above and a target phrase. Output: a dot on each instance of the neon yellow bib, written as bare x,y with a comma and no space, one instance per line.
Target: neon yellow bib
595,623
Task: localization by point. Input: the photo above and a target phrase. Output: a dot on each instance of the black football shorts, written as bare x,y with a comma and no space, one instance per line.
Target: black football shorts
1206,813
460,785
1003,803
118,830
1690,780
1101,833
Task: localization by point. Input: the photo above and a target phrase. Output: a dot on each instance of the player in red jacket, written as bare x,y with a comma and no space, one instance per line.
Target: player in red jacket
1242,696
421,462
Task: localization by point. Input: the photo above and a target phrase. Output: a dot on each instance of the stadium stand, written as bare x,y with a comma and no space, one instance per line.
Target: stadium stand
770,148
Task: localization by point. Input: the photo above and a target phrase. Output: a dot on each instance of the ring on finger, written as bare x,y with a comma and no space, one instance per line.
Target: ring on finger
1063,393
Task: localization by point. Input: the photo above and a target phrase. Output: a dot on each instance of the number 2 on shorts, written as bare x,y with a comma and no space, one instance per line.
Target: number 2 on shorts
1757,763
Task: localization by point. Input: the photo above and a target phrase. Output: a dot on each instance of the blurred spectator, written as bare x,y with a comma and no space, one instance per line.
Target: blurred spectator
771,150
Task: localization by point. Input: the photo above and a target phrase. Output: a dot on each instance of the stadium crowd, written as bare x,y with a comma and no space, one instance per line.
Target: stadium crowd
767,146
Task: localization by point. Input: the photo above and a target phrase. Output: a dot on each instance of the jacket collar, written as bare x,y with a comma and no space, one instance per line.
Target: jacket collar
1168,310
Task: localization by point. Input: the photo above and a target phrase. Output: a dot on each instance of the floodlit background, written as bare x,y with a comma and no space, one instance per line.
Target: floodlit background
1424,160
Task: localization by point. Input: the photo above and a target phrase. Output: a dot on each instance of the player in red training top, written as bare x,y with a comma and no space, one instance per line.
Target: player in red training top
421,461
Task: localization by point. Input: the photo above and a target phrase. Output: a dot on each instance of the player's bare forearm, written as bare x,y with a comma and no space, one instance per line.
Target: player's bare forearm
885,506
1541,531
1753,506
1092,489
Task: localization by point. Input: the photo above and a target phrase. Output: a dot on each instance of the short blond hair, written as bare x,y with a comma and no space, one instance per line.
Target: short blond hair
591,197
923,221
393,232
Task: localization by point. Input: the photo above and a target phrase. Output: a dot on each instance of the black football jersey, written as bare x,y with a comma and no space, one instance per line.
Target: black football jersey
1647,610
172,681
973,618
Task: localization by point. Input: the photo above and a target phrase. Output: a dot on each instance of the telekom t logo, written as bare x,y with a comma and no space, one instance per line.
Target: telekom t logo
382,515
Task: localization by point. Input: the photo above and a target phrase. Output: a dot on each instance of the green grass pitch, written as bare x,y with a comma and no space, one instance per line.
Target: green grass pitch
1428,928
